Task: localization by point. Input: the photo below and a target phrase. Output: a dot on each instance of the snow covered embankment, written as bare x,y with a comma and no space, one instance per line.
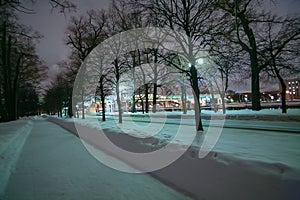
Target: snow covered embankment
12,138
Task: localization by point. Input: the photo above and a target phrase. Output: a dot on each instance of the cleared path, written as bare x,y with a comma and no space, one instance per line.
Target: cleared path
55,165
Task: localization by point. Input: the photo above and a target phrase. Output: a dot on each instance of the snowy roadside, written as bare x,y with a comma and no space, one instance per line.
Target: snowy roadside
245,114
222,174
12,138
252,140
271,142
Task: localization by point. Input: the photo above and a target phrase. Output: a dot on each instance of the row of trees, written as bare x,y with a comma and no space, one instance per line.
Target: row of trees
238,36
21,70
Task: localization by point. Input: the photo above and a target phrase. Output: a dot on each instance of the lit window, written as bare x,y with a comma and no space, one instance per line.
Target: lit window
290,88
293,82
289,82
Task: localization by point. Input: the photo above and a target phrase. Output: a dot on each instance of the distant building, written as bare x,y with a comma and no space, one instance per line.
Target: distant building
292,89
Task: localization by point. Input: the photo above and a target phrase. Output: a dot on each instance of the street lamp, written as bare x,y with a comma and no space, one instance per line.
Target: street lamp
200,61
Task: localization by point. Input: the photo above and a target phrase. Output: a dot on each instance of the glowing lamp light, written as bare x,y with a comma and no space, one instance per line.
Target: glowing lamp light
200,61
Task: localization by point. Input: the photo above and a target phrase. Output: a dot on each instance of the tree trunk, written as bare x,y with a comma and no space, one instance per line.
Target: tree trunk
155,73
213,100
4,75
16,86
255,89
183,99
147,97
133,110
223,93
154,97
11,89
102,96
103,107
143,106
73,106
223,102
196,94
255,70
2,112
283,97
198,121
15,106
7,84
82,104
70,111
60,112
283,87
118,77
119,103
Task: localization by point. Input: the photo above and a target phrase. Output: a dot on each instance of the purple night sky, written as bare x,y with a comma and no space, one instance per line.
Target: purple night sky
52,25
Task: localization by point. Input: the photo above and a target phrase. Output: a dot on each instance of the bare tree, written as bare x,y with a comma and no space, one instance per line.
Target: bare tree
122,17
103,89
159,74
118,68
242,23
84,34
20,64
57,95
192,17
21,6
62,5
102,78
18,61
226,56
281,50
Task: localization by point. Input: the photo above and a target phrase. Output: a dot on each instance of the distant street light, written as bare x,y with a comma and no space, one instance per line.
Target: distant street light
200,61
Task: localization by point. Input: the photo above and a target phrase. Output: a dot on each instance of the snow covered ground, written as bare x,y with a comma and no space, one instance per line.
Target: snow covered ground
291,112
53,164
252,159
266,141
12,138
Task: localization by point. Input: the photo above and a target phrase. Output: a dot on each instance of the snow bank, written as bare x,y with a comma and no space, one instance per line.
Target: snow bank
244,114
290,112
12,138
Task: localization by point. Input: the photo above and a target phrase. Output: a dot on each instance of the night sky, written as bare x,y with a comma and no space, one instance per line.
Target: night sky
52,25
